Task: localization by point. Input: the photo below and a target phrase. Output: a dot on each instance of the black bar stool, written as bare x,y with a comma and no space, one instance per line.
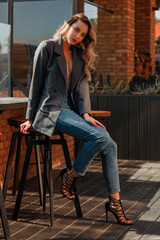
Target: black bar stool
16,143
36,139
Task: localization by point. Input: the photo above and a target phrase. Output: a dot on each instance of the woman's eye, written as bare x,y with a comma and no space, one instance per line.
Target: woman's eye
77,30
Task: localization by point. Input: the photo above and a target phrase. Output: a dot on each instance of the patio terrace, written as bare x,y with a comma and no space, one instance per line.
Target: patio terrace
140,196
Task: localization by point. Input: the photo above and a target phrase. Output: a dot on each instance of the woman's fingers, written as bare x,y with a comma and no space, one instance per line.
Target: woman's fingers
94,124
25,126
25,130
22,126
94,121
91,120
100,124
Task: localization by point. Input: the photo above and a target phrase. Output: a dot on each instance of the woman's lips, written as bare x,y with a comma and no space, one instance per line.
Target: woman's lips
73,40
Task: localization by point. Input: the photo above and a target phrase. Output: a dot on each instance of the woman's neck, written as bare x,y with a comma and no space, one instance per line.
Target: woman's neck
66,45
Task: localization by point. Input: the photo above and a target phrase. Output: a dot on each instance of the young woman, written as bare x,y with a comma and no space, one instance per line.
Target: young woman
59,98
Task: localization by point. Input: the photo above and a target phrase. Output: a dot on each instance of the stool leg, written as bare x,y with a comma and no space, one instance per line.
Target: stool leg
23,180
48,181
16,169
9,163
77,203
66,154
45,176
51,185
39,174
4,217
68,164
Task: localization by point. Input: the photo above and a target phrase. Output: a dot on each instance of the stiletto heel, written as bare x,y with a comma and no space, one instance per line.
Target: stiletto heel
115,207
68,181
106,216
107,209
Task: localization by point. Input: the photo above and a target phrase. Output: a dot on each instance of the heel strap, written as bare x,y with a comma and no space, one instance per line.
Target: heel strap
117,205
114,200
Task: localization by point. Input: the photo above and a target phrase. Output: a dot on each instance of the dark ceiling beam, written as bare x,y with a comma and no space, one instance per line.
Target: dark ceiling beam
78,6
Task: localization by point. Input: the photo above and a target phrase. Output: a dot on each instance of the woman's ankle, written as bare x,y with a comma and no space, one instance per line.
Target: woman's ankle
115,195
74,173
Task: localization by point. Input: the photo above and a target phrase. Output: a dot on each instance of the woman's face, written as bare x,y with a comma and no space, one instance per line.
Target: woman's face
76,32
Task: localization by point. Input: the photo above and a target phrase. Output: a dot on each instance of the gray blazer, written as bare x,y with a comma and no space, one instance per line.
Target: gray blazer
49,89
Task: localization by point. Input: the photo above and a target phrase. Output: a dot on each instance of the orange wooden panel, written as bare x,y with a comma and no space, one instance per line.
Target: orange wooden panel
97,113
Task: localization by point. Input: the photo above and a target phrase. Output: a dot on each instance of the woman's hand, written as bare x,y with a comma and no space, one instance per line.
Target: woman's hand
25,126
93,121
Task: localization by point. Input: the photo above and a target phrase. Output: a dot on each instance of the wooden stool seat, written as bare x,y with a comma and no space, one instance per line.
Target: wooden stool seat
97,113
16,122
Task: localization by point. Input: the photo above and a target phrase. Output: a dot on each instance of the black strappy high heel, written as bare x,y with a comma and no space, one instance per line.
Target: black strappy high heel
68,181
115,207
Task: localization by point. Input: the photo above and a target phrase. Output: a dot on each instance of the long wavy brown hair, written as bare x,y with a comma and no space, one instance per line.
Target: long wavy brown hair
87,44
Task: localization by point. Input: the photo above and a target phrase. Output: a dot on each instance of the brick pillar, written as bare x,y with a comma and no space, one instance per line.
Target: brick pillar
131,39
116,39
145,28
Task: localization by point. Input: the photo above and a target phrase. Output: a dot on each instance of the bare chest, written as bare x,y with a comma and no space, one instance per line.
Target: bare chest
69,61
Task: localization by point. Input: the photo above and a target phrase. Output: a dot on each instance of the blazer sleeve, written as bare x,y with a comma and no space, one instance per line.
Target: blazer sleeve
39,73
83,97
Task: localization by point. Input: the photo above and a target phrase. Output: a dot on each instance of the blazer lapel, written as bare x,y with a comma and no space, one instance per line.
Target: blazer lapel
61,58
76,58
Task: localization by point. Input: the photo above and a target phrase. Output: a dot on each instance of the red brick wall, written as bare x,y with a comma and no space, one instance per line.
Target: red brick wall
145,28
130,28
7,131
16,93
3,93
152,34
131,39
115,35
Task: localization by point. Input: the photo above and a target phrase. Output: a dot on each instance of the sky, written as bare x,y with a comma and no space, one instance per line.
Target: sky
157,14
5,33
90,10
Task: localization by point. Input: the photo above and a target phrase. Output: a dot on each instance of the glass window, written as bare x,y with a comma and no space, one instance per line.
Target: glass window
5,31
92,13
34,21
102,21
3,11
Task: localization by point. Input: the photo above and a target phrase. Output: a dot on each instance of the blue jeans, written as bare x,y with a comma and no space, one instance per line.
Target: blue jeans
97,140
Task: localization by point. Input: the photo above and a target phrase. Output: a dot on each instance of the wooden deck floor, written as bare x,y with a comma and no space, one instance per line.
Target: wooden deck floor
140,194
